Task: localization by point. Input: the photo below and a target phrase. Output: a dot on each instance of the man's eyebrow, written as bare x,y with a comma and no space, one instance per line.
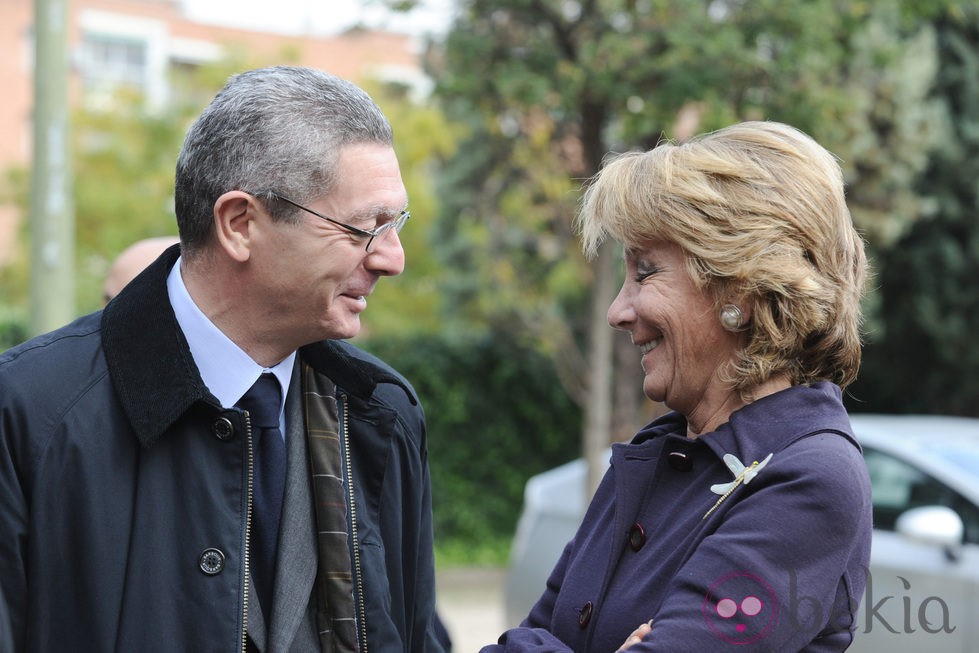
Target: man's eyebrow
378,211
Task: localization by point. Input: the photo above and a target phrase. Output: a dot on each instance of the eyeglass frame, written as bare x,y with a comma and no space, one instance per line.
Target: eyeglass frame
397,224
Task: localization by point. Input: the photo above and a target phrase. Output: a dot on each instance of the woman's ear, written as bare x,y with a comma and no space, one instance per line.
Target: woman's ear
234,214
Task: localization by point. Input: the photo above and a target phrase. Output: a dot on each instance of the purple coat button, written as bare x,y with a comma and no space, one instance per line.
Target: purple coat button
584,615
637,536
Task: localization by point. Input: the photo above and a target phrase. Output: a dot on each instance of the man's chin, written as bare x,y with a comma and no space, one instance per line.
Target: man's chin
349,328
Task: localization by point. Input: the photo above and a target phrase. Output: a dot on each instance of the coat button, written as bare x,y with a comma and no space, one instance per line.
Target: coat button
212,561
637,536
680,461
223,429
584,615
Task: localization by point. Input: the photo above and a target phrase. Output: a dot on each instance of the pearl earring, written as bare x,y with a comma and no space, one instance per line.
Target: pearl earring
732,319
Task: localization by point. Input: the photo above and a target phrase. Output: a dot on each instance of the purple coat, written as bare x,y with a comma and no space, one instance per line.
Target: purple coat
779,565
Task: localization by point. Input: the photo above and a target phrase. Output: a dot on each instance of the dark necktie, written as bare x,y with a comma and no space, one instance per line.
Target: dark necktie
262,401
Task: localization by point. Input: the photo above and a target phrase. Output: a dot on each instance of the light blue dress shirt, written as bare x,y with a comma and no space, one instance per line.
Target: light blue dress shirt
227,371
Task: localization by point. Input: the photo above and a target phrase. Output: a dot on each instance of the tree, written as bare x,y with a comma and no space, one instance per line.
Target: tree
922,355
550,86
412,303
123,156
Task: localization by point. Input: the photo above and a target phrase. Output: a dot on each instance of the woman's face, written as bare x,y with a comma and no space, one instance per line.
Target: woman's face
675,325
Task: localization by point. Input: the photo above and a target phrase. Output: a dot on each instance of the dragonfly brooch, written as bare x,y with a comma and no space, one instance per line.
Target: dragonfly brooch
742,474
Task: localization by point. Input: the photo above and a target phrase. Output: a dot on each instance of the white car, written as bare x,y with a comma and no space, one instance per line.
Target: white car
923,589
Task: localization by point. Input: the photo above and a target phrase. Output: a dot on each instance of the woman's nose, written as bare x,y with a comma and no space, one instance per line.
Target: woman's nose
620,313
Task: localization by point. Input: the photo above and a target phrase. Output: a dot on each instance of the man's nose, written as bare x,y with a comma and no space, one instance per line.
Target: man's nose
386,256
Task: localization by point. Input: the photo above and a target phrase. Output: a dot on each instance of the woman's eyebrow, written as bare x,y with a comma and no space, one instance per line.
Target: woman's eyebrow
632,252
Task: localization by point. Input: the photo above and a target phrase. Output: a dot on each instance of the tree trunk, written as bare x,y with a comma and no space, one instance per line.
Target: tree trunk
628,415
598,407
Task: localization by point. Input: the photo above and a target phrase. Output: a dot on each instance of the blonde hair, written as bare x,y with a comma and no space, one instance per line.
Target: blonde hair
759,209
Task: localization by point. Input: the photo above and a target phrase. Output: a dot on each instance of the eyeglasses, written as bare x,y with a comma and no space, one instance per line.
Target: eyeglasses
395,225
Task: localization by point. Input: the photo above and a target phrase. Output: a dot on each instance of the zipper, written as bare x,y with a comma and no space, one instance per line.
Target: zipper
248,529
358,576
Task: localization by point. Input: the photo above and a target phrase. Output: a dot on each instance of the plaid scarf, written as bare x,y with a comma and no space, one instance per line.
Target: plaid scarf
335,618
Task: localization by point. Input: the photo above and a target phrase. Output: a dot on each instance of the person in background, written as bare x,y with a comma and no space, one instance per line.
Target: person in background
205,465
133,260
741,520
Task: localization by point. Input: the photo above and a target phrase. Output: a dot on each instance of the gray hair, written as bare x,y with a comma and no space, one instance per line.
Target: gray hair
277,129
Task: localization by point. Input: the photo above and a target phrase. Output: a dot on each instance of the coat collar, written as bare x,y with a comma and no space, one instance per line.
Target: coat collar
777,420
767,425
154,374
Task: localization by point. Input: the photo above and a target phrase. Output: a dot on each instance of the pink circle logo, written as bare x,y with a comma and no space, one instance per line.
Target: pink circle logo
740,608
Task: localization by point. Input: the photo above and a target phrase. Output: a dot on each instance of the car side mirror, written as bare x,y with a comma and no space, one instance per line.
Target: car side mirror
934,525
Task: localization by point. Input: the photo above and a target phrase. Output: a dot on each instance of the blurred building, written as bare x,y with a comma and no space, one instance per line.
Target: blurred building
135,43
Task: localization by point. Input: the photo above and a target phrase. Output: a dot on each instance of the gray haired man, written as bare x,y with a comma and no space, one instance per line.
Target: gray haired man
205,465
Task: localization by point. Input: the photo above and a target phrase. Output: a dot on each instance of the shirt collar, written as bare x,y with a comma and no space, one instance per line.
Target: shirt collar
226,370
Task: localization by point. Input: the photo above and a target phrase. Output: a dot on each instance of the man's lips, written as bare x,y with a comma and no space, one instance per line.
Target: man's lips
359,294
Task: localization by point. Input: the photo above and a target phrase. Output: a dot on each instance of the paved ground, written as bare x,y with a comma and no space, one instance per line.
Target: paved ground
470,602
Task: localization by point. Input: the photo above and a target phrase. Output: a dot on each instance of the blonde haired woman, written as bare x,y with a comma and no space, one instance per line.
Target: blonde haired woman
741,520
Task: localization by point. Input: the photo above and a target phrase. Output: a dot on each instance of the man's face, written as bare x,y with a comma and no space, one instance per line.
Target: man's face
316,276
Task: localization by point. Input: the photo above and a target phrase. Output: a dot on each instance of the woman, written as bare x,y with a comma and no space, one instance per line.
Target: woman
741,520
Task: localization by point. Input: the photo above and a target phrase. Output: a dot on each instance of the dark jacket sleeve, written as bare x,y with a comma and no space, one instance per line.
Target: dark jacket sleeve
396,523
417,555
13,527
426,626
27,410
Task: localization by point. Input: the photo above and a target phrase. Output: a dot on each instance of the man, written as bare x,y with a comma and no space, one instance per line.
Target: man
131,261
204,465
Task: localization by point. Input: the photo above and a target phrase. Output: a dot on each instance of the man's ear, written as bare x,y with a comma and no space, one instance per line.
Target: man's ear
234,213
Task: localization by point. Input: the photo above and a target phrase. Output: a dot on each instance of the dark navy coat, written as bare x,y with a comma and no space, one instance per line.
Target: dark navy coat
123,489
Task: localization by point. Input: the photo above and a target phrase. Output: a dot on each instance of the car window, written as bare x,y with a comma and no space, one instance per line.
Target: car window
963,457
899,486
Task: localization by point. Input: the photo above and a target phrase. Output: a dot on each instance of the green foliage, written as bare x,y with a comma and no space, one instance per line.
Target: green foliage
891,125
15,273
496,415
123,156
412,303
619,74
13,327
922,356
124,165
123,184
